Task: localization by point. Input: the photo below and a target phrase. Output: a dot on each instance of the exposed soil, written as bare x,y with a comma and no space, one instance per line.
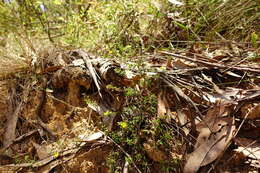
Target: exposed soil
50,119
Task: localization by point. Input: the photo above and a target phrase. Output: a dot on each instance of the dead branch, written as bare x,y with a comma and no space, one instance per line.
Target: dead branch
12,118
218,65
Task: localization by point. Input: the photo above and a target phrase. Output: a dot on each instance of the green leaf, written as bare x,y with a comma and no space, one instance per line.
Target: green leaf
181,25
123,124
56,154
57,2
107,113
254,38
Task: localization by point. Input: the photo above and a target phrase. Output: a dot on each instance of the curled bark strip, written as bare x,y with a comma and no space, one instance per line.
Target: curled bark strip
13,117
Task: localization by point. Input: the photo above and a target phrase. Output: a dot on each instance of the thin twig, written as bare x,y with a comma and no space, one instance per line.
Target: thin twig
19,139
222,66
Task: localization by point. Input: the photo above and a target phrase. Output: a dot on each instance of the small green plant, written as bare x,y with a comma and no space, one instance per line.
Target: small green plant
112,162
113,88
130,92
254,38
107,113
90,101
139,124
120,71
25,159
123,124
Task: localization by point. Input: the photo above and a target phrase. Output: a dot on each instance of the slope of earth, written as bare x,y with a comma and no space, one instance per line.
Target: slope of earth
193,110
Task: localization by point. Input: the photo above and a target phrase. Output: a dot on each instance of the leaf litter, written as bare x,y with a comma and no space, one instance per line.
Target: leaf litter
211,95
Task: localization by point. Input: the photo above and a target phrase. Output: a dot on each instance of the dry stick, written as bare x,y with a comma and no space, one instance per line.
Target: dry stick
126,165
86,58
184,137
243,121
245,148
184,96
237,63
11,125
19,139
222,66
200,57
12,119
192,120
211,42
45,161
244,75
128,155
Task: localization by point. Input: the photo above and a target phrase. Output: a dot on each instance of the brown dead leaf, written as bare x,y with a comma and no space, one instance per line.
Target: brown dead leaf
253,111
180,64
154,153
210,144
221,109
169,64
41,150
250,149
162,105
184,115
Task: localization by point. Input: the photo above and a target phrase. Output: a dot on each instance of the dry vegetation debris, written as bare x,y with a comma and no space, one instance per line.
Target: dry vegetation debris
208,95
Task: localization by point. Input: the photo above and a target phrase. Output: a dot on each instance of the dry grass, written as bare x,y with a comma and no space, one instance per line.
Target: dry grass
232,19
18,53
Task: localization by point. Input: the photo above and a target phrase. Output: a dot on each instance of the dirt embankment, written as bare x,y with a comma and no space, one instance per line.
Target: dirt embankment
51,117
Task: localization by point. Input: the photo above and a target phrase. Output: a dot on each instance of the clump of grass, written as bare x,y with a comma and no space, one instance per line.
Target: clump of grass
125,29
233,19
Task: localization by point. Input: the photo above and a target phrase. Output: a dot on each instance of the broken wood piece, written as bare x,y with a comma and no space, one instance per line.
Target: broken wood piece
218,65
13,117
22,137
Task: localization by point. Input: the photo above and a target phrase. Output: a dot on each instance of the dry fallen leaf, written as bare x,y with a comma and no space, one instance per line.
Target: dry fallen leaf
93,137
162,105
253,111
250,149
154,153
175,2
183,117
41,150
211,142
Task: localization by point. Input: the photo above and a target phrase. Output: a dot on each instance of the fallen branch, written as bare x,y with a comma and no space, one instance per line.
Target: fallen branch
65,154
219,65
12,119
20,138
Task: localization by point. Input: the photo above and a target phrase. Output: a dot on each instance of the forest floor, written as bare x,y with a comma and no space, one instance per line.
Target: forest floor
185,110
